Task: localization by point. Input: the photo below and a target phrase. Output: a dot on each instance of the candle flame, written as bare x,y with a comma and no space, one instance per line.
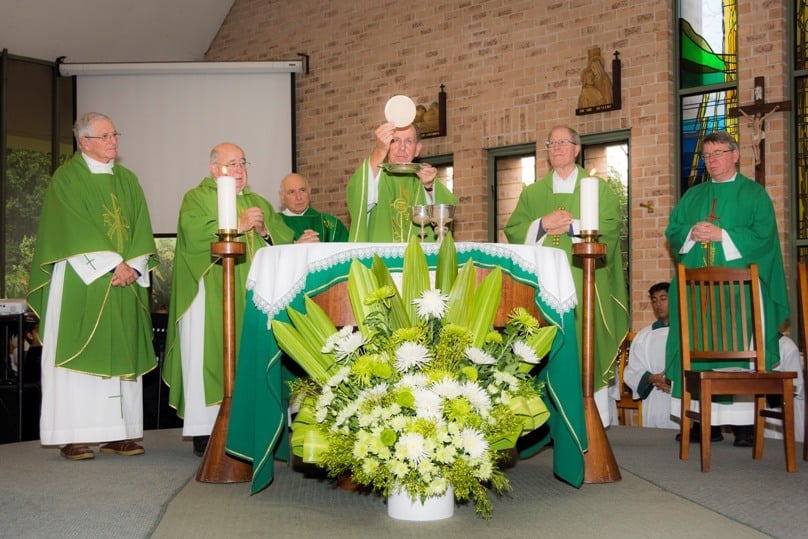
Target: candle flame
593,172
224,170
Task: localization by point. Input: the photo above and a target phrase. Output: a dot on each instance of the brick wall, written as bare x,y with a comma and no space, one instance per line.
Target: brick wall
511,70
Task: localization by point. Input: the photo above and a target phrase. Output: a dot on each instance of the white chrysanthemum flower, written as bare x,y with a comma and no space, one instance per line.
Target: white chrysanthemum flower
447,388
479,357
445,454
411,447
398,468
339,377
507,379
477,396
411,355
525,353
437,487
349,345
331,343
370,466
432,303
427,404
399,423
413,380
474,443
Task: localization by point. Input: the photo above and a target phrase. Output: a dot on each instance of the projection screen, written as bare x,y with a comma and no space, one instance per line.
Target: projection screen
172,114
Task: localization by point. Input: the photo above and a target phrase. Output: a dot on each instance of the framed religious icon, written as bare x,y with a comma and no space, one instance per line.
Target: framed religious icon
431,119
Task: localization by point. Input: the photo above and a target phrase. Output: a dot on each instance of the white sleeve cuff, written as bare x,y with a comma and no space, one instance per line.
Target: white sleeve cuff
141,265
91,266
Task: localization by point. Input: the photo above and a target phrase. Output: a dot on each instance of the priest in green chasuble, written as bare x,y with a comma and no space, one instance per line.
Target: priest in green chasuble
193,363
89,288
727,221
307,223
380,201
548,213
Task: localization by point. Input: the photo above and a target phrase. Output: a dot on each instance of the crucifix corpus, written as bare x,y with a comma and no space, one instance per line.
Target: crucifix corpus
756,114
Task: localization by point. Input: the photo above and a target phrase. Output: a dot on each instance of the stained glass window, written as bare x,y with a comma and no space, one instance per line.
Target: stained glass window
708,75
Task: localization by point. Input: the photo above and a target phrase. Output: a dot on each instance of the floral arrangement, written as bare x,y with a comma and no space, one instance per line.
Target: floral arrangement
425,394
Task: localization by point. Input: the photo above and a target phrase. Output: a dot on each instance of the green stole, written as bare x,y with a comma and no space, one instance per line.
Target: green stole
329,228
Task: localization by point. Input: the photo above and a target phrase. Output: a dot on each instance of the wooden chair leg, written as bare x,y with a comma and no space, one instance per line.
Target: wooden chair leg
684,432
759,427
705,413
788,432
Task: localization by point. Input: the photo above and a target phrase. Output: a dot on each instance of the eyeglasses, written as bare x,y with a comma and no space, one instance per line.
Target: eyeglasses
106,137
563,143
714,155
243,164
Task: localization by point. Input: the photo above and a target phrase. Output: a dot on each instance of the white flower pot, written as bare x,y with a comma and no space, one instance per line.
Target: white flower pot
401,506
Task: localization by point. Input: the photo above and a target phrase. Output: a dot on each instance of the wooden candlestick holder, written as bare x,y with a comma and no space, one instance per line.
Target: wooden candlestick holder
217,466
599,463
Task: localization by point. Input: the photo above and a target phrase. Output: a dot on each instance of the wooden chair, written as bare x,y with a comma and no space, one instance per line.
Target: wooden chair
626,402
720,319
802,287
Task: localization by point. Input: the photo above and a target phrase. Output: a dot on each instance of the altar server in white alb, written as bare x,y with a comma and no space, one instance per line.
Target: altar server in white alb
89,287
645,370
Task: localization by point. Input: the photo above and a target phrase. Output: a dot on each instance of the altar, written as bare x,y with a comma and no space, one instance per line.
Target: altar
281,276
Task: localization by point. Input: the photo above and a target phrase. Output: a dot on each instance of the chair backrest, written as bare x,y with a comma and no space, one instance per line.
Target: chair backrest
720,315
802,288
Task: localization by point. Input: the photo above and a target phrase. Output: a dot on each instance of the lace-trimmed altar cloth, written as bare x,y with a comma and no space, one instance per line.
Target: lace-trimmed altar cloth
279,273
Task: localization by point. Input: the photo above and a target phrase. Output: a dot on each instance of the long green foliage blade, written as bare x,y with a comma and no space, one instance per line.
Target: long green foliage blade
416,276
486,303
398,312
447,265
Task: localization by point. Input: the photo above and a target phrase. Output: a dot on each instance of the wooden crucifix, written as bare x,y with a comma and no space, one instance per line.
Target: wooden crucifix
757,114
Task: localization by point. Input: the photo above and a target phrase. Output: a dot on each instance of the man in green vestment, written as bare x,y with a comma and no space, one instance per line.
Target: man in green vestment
548,213
380,201
89,280
727,221
193,362
308,224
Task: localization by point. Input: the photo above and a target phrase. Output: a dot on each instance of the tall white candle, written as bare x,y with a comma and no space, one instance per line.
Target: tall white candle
589,204
226,193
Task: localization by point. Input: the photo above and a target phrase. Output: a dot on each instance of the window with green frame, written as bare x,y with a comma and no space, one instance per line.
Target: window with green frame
708,77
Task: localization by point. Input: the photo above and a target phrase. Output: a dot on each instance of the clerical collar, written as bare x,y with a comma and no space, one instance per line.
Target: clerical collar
290,213
727,180
97,167
565,185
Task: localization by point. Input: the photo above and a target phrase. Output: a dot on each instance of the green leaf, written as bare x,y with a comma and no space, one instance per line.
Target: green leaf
290,340
486,303
416,276
447,265
542,340
320,320
461,297
361,282
398,312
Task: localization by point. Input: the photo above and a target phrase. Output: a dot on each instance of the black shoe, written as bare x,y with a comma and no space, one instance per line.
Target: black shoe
695,434
743,435
200,444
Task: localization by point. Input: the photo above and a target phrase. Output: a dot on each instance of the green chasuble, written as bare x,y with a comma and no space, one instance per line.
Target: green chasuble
329,227
193,262
611,295
390,221
745,211
104,330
